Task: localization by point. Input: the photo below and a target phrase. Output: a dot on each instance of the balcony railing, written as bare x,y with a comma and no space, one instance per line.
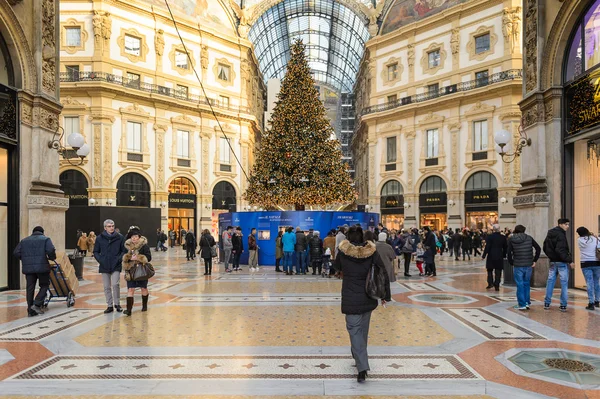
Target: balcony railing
511,74
136,84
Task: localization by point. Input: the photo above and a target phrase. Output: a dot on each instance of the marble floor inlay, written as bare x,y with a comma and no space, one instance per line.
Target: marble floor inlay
240,367
48,325
492,326
419,287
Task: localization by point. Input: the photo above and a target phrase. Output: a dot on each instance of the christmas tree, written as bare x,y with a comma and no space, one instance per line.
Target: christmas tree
299,161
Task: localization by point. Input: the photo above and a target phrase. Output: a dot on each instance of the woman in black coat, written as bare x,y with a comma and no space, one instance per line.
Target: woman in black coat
206,242
354,259
467,243
315,245
430,251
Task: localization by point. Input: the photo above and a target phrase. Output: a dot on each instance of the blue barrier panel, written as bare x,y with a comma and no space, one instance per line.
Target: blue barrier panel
268,225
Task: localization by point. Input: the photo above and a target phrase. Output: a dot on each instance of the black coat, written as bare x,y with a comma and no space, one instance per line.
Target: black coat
316,248
466,241
556,246
456,240
495,251
301,241
206,241
109,251
34,252
430,248
520,250
238,243
355,261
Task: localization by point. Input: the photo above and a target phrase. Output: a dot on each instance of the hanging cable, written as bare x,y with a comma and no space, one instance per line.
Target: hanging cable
203,90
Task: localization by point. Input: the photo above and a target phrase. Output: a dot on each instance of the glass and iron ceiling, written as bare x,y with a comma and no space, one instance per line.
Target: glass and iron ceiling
333,34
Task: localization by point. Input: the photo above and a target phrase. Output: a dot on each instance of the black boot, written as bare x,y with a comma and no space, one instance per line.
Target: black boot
278,270
129,306
361,376
144,302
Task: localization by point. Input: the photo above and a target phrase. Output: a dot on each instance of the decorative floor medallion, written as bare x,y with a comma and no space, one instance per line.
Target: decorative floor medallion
442,298
392,367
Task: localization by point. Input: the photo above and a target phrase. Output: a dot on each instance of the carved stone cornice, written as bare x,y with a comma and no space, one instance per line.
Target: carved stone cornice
101,118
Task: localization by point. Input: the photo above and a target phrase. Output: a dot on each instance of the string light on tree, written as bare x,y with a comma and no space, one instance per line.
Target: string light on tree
298,162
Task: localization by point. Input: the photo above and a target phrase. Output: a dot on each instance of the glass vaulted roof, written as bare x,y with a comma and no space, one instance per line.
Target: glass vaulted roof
333,34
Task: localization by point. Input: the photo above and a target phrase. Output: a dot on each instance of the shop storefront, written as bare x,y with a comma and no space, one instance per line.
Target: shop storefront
433,201
481,201
75,186
224,200
182,206
392,205
133,190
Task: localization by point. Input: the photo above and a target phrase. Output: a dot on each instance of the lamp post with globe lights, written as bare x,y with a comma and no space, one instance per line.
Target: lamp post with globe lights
502,139
75,140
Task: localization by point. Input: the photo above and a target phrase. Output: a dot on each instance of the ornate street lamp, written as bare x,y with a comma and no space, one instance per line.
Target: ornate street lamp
75,140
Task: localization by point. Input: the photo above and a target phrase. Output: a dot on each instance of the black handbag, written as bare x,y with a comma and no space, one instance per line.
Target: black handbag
141,272
375,286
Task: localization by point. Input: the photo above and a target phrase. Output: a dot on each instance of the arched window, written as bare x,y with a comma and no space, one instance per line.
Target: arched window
74,184
481,181
223,195
182,185
393,187
133,190
433,184
583,55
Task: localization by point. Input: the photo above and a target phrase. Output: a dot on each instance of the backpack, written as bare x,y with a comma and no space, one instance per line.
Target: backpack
409,244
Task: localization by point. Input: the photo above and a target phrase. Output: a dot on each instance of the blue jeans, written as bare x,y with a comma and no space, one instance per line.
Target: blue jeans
562,269
287,261
301,262
523,279
592,281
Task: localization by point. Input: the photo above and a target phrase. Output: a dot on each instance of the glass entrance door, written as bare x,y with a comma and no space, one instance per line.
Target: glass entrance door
181,219
435,221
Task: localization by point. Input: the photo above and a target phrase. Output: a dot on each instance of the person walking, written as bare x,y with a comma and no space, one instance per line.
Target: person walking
227,246
590,265
82,245
467,243
316,252
289,244
430,251
34,252
278,251
138,254
158,238
207,241
456,243
354,259
253,250
557,250
387,255
172,237
476,244
237,249
163,241
495,252
301,245
409,247
520,255
108,252
190,245
91,241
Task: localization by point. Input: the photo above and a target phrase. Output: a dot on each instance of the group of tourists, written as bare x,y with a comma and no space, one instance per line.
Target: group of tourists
85,242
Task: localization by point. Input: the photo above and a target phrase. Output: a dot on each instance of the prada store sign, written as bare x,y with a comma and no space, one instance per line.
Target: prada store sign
392,201
433,199
583,103
182,201
481,197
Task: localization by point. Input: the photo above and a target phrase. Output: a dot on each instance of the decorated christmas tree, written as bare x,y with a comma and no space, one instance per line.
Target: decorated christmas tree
299,161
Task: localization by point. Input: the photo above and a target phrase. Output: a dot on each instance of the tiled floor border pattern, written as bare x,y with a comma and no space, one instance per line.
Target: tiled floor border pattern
257,298
499,320
322,367
419,287
49,324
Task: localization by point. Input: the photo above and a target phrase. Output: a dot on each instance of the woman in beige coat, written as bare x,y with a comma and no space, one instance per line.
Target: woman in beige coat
91,241
82,244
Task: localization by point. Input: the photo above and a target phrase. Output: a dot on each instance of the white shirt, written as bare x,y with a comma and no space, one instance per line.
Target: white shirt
587,247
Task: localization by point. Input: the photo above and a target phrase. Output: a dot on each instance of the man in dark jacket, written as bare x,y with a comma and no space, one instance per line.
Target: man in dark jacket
430,251
520,254
108,251
301,245
237,248
34,252
456,242
466,243
354,259
252,250
190,245
315,245
495,251
556,248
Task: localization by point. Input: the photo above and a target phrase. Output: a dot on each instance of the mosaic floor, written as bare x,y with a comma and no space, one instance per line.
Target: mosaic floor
265,335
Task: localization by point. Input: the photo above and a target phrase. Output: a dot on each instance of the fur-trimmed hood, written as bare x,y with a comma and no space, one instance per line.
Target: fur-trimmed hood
136,247
357,252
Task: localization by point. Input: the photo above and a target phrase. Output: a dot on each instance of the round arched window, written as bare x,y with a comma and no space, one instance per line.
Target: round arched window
223,195
433,184
583,52
182,185
133,190
481,181
74,184
391,195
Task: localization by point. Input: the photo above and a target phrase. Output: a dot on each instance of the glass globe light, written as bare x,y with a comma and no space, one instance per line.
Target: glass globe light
502,138
75,140
84,150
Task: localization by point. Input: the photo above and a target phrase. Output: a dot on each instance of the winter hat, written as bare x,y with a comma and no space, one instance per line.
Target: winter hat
134,231
382,237
39,229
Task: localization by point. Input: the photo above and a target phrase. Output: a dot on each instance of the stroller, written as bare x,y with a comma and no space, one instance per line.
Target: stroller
326,264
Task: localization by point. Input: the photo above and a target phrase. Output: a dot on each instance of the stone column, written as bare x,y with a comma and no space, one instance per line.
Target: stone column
455,212
102,188
410,196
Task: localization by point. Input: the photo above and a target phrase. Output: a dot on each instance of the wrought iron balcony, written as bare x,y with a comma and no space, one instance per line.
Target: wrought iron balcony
511,74
136,84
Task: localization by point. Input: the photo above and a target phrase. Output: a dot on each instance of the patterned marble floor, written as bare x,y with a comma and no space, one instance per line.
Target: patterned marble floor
251,335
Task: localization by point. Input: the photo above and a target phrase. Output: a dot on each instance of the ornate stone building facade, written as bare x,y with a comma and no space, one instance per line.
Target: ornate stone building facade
128,85
29,180
430,97
560,174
